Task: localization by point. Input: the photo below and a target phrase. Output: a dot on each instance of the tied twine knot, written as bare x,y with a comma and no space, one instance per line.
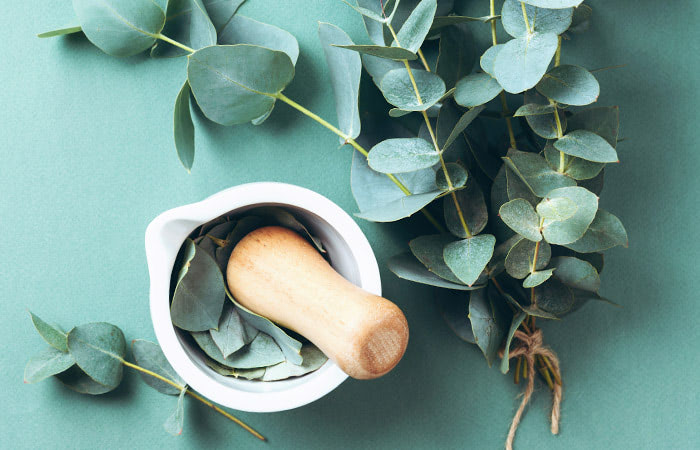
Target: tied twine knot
530,347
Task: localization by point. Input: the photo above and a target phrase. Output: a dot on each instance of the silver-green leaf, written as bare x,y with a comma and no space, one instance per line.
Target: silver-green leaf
99,349
521,217
183,128
407,267
175,422
52,334
522,62
149,356
570,85
476,89
416,27
47,363
573,228
586,145
401,155
540,20
606,231
468,258
398,90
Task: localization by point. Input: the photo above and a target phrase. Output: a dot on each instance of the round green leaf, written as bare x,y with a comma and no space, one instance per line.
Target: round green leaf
456,54
533,170
398,89
487,325
77,380
576,168
399,209
471,203
603,121
540,20
576,273
120,27
47,363
237,83
221,12
522,62
476,89
571,229
262,352
544,125
231,334
468,258
521,217
537,278
515,324
534,109
586,145
519,262
244,30
313,359
187,22
402,155
554,297
458,177
175,422
149,356
488,59
556,208
99,349
429,251
606,231
570,85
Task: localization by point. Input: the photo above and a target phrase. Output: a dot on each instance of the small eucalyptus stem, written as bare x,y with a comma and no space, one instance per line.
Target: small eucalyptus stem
545,373
516,376
173,42
423,60
428,215
527,22
557,54
450,186
195,396
502,95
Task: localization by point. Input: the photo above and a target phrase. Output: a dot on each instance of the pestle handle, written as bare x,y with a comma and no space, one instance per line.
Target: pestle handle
276,273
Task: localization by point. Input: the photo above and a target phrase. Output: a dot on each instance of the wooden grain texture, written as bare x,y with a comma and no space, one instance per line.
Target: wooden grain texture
276,273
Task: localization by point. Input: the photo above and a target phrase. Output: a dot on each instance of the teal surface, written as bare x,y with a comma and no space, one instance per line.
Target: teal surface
88,160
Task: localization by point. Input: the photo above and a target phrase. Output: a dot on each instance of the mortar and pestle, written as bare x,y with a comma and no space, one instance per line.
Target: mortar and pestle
275,272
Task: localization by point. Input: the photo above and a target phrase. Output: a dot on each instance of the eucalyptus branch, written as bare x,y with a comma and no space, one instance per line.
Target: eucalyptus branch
502,96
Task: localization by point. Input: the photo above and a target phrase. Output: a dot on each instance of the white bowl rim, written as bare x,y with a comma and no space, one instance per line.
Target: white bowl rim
201,212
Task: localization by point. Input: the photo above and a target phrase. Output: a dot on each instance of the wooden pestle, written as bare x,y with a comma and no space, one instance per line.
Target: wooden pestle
276,273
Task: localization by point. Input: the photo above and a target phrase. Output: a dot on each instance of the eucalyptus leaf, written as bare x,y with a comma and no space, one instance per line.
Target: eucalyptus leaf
576,168
576,273
522,62
520,259
200,294
606,231
237,83
603,121
120,27
99,349
77,380
68,29
540,20
515,324
544,125
534,109
47,363
429,250
571,85
476,89
183,128
560,208
488,59
416,27
473,207
407,267
536,278
573,228
554,4
398,90
52,334
517,188
244,30
402,155
458,177
262,352
455,311
395,53
149,356
399,209
468,258
378,67
554,297
345,69
456,54
440,22
221,11
375,30
521,217
276,216
187,22
534,171
587,145
175,422
487,325
231,334
313,359
290,347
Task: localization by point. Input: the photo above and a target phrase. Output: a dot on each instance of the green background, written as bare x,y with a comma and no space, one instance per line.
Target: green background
88,161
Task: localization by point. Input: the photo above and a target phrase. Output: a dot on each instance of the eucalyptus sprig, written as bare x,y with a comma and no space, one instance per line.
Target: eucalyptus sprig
90,359
521,234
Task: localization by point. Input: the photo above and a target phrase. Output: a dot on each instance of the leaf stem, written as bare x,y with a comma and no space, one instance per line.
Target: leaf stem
557,54
423,60
502,95
527,22
162,37
428,215
195,396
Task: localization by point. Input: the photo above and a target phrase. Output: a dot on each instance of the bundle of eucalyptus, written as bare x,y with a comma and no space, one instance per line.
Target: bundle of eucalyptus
519,233
235,341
